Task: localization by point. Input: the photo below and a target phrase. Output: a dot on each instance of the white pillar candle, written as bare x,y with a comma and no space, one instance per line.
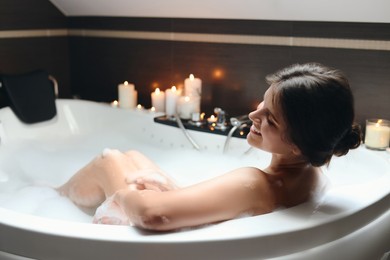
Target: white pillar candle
135,99
377,134
171,97
158,100
193,89
127,95
192,86
185,107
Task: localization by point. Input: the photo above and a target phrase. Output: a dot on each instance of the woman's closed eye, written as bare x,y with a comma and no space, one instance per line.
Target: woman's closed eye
270,122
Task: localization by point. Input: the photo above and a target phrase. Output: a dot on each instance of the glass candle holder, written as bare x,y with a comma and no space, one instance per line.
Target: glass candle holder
377,134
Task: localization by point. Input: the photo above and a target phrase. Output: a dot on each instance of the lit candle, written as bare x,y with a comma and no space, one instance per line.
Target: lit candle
158,100
192,86
114,103
377,134
185,107
211,119
193,89
127,95
171,97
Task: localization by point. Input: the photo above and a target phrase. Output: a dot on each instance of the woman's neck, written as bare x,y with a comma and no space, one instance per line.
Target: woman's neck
287,164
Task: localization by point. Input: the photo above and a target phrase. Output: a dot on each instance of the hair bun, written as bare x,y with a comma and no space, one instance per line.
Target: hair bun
351,140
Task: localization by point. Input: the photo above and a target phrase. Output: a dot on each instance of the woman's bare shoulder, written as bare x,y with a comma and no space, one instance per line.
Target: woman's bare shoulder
262,187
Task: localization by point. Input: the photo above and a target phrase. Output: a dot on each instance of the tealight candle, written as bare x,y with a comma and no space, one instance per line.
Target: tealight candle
114,103
158,100
171,97
211,119
185,107
377,134
127,95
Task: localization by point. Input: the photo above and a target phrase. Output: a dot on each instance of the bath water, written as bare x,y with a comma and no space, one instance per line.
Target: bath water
30,169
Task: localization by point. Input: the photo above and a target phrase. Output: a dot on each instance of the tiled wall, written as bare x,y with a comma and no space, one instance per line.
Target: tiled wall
26,42
232,57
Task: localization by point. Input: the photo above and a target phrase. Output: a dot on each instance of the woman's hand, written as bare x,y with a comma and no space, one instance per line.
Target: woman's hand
144,174
110,213
149,179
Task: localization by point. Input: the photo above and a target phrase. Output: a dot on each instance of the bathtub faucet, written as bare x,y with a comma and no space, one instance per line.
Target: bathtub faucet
221,119
239,123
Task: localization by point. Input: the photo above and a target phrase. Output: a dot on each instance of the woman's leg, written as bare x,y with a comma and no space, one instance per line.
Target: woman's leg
110,172
99,179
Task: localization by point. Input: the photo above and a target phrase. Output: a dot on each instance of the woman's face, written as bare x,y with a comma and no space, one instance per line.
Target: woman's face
269,128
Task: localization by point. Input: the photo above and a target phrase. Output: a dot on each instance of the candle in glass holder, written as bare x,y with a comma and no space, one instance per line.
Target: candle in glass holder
158,100
377,134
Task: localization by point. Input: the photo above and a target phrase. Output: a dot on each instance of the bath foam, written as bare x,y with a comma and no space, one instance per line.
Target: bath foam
43,201
39,166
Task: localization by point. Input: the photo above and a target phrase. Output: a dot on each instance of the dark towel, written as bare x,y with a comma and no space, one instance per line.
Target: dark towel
31,96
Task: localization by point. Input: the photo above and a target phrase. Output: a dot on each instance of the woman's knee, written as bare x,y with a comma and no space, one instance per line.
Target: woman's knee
133,153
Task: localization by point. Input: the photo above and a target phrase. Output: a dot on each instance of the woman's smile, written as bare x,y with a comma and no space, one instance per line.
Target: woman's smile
255,130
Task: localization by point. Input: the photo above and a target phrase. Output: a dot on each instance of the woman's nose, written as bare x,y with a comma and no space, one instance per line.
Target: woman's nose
254,115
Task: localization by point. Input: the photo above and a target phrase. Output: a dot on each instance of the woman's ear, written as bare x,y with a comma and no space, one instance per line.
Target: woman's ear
296,150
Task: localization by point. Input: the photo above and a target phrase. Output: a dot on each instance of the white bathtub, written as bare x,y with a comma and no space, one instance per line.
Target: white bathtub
351,221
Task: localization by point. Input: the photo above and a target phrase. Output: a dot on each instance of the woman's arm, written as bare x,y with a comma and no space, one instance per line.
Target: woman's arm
242,191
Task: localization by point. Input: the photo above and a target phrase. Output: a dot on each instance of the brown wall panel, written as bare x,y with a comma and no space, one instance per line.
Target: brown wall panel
30,14
232,74
24,54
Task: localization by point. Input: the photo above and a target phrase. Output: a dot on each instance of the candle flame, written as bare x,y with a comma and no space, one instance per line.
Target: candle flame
152,109
173,88
192,77
126,83
139,106
157,91
378,123
212,117
187,99
202,116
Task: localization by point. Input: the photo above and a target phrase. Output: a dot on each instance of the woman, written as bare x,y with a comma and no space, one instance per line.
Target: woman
306,118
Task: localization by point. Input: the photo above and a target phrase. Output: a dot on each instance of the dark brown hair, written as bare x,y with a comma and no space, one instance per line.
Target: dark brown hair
318,107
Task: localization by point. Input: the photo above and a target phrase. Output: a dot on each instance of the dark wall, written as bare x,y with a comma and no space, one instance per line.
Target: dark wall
232,74
23,54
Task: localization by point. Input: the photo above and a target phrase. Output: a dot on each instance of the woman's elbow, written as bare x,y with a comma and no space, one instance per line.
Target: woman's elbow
153,221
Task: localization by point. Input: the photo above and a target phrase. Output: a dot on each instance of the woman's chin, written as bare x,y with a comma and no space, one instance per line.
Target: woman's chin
253,140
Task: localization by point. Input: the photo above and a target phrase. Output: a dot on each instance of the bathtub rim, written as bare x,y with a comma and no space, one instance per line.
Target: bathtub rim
45,225
295,241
